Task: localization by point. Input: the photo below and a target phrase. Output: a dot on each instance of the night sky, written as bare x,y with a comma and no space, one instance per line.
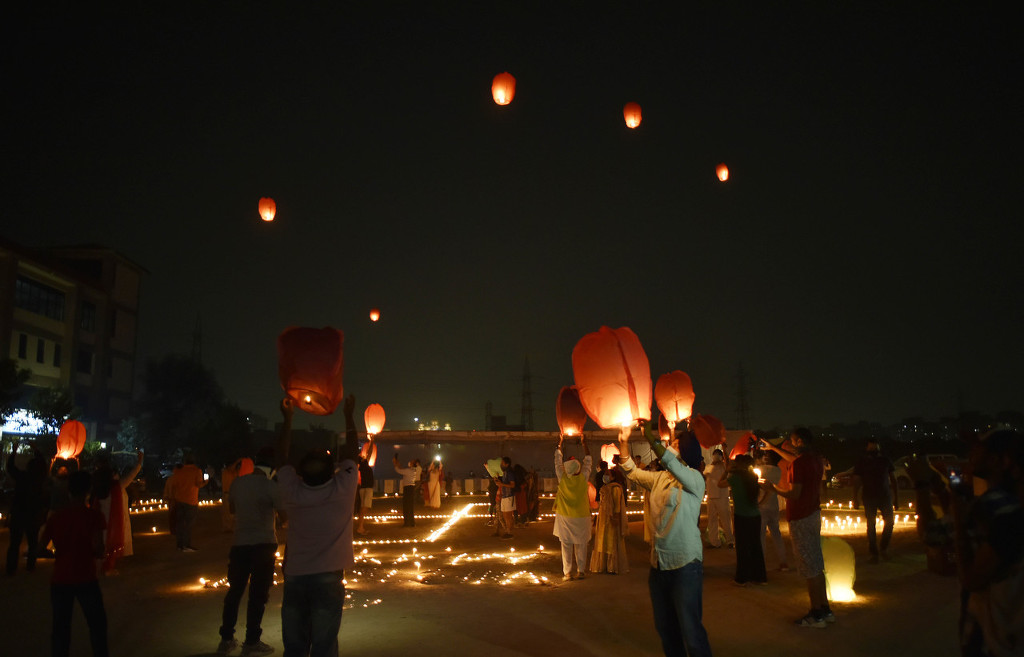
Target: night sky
862,261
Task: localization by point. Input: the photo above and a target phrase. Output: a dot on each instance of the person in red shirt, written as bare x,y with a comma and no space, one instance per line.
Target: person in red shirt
803,512
77,534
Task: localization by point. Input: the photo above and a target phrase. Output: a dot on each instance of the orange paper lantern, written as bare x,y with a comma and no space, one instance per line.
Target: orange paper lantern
374,419
569,412
709,430
723,172
631,112
608,452
503,88
70,440
374,315
246,466
743,445
613,377
268,209
310,364
674,395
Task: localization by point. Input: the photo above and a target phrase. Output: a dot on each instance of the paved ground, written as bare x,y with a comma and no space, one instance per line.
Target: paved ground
461,606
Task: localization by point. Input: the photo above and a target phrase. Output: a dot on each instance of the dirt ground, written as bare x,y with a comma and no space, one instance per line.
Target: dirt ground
462,594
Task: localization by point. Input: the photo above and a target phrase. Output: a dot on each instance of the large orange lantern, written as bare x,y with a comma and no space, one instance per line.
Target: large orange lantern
70,440
268,209
246,466
674,395
631,112
569,412
374,419
374,314
723,172
503,88
310,363
743,445
613,377
709,430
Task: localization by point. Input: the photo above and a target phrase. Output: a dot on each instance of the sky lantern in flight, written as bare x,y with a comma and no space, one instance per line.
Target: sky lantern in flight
613,377
674,395
310,363
70,440
373,417
631,112
268,208
374,314
722,172
503,88
609,452
709,430
569,412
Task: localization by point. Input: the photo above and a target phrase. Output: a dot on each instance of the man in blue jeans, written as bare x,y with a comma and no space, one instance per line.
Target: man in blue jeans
676,579
319,498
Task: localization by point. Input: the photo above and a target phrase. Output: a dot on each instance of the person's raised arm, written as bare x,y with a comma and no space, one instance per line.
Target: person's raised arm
784,453
652,440
284,439
130,476
586,445
350,450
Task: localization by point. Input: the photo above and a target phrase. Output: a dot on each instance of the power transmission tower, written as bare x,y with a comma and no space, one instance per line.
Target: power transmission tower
742,403
197,341
526,416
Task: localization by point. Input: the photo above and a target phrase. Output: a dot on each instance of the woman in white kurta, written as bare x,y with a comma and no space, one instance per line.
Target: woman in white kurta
433,497
572,510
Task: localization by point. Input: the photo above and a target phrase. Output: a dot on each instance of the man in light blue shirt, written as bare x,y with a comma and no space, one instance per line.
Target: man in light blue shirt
676,579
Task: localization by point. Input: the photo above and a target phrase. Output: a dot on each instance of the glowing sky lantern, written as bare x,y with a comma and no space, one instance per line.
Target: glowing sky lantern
709,430
613,377
569,412
664,431
722,171
374,314
70,440
743,445
374,419
631,112
268,209
503,88
608,452
310,364
674,395
246,466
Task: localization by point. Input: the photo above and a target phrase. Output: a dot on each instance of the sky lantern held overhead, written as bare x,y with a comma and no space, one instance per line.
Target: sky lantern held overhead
268,209
374,314
613,377
503,88
631,113
722,172
310,364
674,395
70,440
569,412
709,430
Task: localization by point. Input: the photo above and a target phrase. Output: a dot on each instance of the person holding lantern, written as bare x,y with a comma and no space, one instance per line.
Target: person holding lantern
410,475
319,497
676,579
572,510
506,484
110,496
609,553
803,513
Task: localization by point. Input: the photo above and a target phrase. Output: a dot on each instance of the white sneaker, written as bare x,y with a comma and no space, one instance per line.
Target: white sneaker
258,648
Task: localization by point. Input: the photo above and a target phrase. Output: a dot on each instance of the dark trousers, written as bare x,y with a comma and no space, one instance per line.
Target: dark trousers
62,598
24,524
873,506
186,517
749,555
251,565
677,597
409,505
311,614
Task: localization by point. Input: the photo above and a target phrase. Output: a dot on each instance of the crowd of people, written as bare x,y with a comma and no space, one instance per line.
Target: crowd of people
83,515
